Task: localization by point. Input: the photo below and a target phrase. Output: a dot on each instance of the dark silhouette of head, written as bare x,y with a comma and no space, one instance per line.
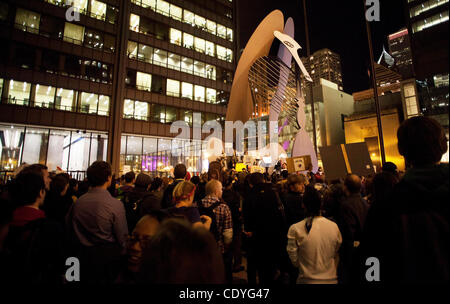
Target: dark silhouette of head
181,254
421,141
179,171
129,177
98,173
382,186
352,183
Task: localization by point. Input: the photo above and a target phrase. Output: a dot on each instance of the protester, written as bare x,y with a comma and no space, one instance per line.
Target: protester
180,253
183,197
313,244
179,173
145,229
128,185
98,225
293,199
35,243
233,200
351,219
264,226
223,232
149,194
408,233
56,202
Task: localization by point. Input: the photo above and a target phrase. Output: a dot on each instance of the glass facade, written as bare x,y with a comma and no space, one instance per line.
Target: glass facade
170,10
68,150
43,96
158,156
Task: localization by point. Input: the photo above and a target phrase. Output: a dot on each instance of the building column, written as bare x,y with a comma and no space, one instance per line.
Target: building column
116,110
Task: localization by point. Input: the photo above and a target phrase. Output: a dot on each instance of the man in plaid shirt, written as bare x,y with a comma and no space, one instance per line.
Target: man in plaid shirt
224,222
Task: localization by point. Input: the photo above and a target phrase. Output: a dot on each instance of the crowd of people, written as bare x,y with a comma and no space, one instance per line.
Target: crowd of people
279,229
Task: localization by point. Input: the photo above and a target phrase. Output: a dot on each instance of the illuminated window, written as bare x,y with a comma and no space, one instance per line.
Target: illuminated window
73,33
174,62
187,65
144,81
45,96
65,99
128,108
160,57
199,93
145,53
211,72
229,34
221,31
134,22
19,92
175,36
211,26
199,68
210,48
188,17
173,88
210,95
132,49
98,9
200,21
199,45
81,5
27,21
176,12
148,3
103,105
89,103
186,90
163,7
140,110
221,52
188,41
229,55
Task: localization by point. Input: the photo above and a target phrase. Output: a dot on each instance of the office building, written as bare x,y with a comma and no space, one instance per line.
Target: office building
324,64
108,82
428,27
400,49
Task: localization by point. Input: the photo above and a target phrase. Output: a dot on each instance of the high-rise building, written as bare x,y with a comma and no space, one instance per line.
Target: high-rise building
428,27
324,64
86,80
400,49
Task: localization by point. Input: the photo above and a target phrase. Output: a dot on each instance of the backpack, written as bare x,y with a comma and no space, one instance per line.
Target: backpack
209,211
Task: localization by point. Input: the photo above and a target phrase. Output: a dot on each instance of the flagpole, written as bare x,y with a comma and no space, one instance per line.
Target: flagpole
375,91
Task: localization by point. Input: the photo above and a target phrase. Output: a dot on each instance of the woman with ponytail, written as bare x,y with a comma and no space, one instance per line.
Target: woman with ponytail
313,243
183,197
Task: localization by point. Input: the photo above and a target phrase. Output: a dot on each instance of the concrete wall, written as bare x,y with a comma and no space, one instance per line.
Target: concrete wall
332,104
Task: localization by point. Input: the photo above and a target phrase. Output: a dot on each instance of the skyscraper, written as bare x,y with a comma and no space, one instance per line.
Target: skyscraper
324,64
428,28
109,84
400,49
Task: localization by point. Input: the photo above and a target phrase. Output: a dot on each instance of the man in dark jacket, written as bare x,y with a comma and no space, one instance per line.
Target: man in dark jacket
352,216
180,173
409,233
265,227
292,200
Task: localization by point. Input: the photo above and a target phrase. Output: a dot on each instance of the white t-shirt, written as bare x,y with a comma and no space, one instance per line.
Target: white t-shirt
315,253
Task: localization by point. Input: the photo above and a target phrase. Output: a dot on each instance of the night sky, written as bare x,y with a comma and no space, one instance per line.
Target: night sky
338,25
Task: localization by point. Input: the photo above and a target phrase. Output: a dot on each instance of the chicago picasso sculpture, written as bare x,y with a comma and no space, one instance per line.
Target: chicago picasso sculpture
270,80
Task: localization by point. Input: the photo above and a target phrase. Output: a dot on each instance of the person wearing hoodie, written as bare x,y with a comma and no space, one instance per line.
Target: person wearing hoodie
409,232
